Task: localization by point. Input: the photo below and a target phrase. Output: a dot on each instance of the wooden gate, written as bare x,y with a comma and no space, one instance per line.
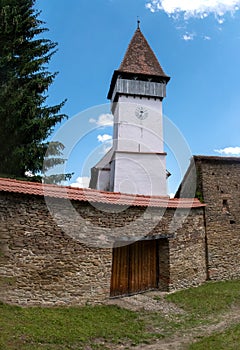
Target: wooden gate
135,268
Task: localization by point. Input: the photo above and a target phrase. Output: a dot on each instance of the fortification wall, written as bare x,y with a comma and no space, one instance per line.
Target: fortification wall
218,186
187,253
221,193
68,260
41,264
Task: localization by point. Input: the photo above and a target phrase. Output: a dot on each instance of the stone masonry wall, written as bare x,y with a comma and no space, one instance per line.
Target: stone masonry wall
64,256
221,193
218,186
182,258
187,253
40,264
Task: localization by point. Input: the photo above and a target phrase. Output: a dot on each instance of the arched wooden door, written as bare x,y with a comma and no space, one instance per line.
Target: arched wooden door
135,268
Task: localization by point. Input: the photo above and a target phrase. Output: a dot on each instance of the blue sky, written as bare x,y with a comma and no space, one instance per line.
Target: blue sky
198,45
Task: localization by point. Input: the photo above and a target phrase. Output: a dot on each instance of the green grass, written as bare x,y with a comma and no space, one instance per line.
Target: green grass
230,340
212,298
102,327
205,305
68,328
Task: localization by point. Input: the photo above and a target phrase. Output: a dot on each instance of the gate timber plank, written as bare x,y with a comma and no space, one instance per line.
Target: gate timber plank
135,268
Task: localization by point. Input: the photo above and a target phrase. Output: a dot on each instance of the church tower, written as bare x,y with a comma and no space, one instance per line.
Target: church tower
136,163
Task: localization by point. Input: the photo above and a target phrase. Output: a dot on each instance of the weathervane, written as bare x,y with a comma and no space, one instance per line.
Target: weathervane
138,22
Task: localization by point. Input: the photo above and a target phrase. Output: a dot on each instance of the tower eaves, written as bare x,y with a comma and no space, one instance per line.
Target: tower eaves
139,62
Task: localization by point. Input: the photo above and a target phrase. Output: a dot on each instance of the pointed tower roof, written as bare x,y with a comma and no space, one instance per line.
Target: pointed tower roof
140,58
140,61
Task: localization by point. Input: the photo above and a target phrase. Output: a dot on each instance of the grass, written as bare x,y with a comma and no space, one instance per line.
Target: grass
69,328
204,305
211,298
230,340
102,327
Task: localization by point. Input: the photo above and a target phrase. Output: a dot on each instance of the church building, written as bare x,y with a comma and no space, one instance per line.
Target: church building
136,162
61,245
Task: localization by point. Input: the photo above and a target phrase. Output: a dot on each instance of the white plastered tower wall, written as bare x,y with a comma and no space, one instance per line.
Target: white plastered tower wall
138,135
137,164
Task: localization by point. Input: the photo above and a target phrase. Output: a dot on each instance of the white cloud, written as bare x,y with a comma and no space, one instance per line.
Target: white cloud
188,36
81,182
195,8
206,37
220,20
104,138
103,120
229,151
107,142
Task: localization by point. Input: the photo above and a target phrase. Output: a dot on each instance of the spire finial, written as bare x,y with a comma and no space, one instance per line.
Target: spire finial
138,22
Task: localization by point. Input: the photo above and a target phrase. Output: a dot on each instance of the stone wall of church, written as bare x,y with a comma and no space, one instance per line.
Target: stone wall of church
218,185
187,252
182,258
221,193
64,256
42,264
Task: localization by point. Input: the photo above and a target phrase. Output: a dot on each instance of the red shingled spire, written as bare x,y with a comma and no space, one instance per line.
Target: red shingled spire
140,59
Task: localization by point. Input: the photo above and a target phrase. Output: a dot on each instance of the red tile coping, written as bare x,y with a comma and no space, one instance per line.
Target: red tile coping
95,196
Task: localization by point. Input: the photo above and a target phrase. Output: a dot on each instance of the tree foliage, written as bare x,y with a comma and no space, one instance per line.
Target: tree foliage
25,119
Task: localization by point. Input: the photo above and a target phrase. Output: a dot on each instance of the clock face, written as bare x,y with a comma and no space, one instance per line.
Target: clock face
141,113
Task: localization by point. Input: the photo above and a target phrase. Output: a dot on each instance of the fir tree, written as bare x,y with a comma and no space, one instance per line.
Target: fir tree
25,119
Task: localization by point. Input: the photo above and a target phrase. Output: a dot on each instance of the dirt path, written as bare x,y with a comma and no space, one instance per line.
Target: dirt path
180,340
148,301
